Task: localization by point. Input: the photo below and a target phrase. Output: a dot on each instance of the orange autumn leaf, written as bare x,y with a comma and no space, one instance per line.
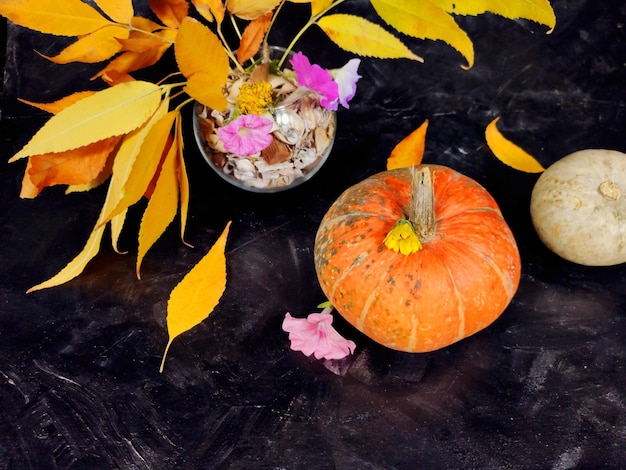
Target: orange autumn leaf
205,89
251,9
195,297
141,43
58,17
141,24
120,11
509,153
252,37
59,105
210,9
28,189
77,166
162,206
119,69
170,12
409,150
97,46
97,181
194,43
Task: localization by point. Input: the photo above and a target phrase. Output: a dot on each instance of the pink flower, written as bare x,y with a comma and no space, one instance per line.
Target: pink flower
315,335
246,135
315,78
346,78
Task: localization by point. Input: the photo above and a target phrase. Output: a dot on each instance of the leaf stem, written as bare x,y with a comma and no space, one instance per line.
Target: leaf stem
149,33
227,48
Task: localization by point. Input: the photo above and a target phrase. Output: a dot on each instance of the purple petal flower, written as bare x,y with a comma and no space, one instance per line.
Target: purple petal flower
316,78
315,335
246,135
346,78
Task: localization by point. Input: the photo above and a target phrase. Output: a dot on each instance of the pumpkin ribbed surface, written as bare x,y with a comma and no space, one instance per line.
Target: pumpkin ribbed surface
457,284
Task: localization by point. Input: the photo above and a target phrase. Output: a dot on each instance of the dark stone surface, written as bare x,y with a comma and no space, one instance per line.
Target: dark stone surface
543,387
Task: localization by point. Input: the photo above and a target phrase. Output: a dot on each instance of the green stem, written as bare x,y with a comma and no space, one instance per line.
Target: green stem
229,52
167,77
313,20
184,103
267,33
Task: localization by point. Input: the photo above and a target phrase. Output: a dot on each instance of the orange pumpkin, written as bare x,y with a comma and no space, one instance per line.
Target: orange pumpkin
459,282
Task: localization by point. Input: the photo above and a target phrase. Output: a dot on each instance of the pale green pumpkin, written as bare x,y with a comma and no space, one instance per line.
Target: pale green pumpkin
578,207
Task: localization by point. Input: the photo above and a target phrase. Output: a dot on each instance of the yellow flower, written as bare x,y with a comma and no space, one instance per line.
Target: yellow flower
402,238
254,98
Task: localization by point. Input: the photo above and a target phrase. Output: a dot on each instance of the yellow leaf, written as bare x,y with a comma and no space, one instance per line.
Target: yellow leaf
195,297
58,17
210,9
318,6
194,44
77,265
360,36
250,9
117,224
137,160
170,12
252,37
206,89
409,150
183,182
59,105
162,206
94,47
120,11
508,152
424,20
107,113
539,11
91,249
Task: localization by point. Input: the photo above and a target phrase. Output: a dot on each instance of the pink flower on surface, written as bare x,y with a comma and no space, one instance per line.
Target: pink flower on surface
346,78
315,335
246,135
315,78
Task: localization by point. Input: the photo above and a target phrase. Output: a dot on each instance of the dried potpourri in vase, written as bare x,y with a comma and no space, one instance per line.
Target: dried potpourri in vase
279,125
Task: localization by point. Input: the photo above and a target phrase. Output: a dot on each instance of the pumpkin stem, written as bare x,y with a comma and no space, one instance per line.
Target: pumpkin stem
408,236
423,204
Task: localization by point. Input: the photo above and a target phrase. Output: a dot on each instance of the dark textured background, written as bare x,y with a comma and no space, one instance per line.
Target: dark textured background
543,387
